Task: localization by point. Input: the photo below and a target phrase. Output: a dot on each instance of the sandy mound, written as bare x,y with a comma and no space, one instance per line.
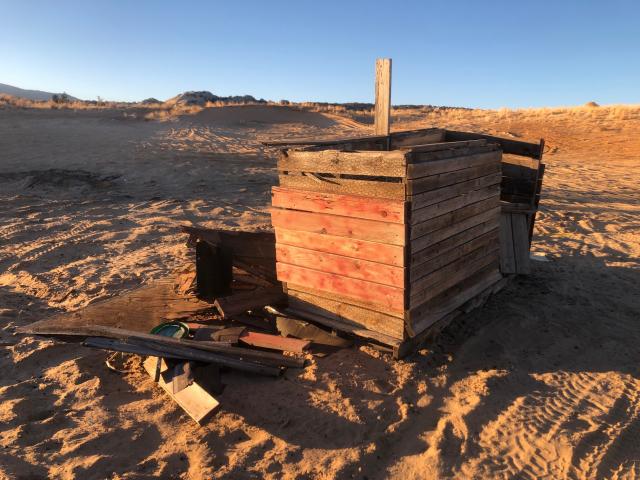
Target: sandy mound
254,115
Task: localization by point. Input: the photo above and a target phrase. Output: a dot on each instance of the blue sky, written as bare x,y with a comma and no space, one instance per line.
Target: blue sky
486,54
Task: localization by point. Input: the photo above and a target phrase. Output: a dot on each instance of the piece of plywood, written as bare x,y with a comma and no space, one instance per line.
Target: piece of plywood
371,230
341,265
386,164
348,247
356,206
194,400
382,111
383,295
346,186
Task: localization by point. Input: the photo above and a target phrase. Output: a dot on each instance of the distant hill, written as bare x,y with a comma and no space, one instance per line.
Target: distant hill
28,94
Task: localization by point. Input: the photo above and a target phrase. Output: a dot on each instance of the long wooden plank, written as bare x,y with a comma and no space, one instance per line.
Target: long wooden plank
453,274
420,270
432,252
339,298
424,185
507,253
428,313
445,193
415,137
424,169
436,147
356,206
460,262
391,190
341,265
520,231
491,216
383,295
384,164
382,110
371,230
426,213
348,247
239,303
454,216
194,400
358,316
514,147
519,171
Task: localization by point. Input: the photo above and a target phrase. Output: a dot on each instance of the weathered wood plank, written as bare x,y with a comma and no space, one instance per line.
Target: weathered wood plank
371,230
383,164
507,254
428,313
337,297
458,238
391,190
425,169
425,268
356,206
415,137
490,217
440,194
274,342
383,295
451,275
454,216
520,231
470,196
514,147
382,110
460,262
341,265
436,147
363,139
424,185
353,314
194,400
348,247
239,303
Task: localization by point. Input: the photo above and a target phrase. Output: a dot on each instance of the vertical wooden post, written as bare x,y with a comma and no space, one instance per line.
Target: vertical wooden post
382,114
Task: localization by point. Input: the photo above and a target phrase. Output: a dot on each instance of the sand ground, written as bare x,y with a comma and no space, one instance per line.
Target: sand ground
541,383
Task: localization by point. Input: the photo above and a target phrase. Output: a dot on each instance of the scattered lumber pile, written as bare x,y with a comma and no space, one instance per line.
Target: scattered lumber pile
386,236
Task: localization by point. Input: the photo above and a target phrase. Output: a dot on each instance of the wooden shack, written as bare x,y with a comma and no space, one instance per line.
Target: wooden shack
389,236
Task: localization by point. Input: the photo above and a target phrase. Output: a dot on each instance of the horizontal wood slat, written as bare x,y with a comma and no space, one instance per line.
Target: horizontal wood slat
390,233
453,217
440,194
349,247
444,258
391,190
337,297
340,265
370,319
436,147
385,164
383,295
471,196
428,313
490,216
415,137
424,185
453,274
515,147
345,205
417,170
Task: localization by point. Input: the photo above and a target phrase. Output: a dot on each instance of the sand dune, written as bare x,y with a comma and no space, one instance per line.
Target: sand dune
541,383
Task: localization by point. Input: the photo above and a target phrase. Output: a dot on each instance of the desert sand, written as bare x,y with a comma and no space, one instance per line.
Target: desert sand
543,382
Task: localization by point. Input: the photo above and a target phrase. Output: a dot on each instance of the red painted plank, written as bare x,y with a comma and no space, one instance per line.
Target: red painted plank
390,233
340,265
356,206
349,247
383,295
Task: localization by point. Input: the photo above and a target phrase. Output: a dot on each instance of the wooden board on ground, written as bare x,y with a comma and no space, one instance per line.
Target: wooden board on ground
194,400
